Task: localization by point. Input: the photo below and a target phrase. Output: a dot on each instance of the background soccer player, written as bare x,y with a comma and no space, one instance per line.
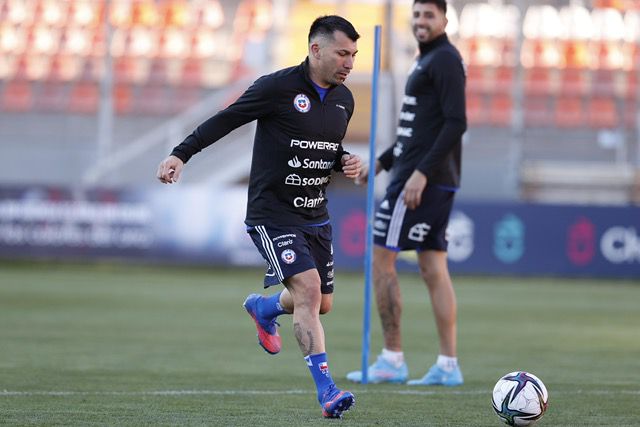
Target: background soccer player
425,166
302,115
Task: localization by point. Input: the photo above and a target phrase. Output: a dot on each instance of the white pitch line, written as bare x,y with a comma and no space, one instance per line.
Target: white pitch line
10,393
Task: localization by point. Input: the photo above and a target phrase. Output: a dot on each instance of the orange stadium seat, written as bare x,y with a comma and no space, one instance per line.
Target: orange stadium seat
51,96
86,13
64,68
532,52
537,111
76,41
122,99
569,112
84,98
56,69
476,110
468,48
158,72
52,12
603,82
537,81
576,54
635,56
144,13
207,14
631,85
573,81
500,109
19,12
503,78
17,96
607,55
191,72
507,47
21,68
475,78
90,70
124,69
602,113
174,14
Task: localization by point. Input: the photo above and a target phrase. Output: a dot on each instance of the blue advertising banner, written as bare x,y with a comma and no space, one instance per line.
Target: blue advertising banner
517,238
192,224
176,224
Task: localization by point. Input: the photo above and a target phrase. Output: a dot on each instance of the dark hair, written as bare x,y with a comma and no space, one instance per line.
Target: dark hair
440,4
328,24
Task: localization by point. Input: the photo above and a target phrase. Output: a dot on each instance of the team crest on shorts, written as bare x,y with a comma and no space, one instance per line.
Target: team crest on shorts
288,256
302,103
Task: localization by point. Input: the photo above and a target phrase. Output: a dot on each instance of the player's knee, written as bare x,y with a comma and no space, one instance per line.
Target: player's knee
427,274
384,269
308,299
433,276
383,257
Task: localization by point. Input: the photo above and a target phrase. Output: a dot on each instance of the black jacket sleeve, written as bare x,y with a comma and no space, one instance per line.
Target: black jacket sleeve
386,158
252,104
449,82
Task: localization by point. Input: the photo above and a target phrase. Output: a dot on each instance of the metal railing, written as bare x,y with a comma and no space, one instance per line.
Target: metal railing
164,136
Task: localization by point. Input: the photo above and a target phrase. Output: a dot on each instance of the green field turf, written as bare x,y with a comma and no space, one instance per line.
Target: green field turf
151,346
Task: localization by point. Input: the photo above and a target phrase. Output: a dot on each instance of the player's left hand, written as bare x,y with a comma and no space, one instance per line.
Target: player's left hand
413,189
351,165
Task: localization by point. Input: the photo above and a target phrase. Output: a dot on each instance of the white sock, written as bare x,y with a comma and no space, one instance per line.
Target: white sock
447,363
396,358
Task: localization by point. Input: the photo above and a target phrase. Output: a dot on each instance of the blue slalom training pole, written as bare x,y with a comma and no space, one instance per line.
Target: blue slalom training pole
368,262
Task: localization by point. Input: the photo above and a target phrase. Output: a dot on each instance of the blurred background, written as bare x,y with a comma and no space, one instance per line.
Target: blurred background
94,94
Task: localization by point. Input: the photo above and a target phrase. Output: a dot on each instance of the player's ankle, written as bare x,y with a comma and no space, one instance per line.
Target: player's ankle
395,358
447,363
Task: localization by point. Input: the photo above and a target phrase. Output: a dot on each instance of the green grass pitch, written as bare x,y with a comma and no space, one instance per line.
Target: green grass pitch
154,346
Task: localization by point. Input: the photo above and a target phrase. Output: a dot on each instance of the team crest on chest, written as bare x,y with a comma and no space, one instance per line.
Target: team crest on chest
302,103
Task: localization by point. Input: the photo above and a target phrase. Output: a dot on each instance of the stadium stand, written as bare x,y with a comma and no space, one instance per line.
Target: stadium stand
539,81
17,96
569,112
576,69
84,97
167,42
537,111
476,109
580,182
603,113
500,110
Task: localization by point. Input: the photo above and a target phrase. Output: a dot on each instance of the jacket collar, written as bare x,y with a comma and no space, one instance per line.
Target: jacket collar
431,45
307,74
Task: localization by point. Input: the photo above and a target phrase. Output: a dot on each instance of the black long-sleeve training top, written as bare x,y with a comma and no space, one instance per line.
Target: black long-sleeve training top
432,120
298,142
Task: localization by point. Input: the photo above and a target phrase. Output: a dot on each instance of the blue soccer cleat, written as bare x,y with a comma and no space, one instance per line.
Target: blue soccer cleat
335,402
382,372
268,336
438,376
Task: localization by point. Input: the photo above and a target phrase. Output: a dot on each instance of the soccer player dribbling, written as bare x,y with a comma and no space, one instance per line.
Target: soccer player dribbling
302,114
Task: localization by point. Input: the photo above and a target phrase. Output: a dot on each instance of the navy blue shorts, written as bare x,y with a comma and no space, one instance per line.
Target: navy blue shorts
399,228
292,250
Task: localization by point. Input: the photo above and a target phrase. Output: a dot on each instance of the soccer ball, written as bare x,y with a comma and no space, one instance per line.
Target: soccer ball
520,398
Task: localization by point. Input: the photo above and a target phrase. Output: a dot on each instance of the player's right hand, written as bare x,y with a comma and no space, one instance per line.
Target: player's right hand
363,177
169,170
